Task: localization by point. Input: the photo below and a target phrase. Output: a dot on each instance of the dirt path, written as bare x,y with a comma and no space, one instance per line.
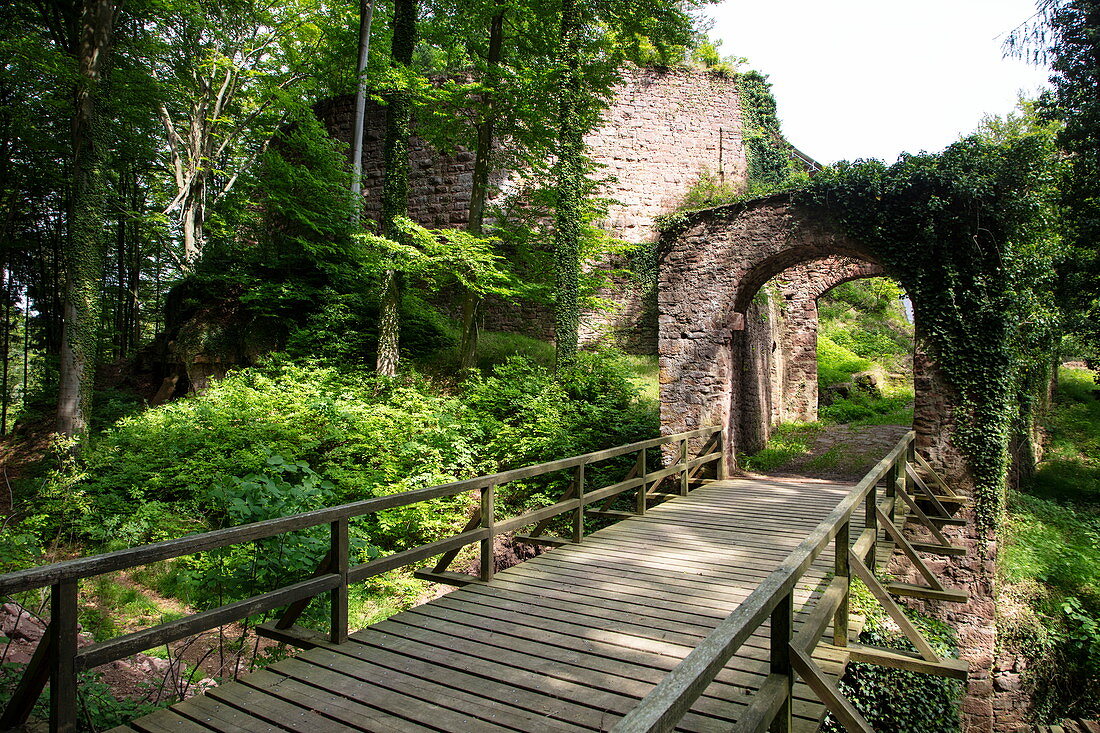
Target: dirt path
842,452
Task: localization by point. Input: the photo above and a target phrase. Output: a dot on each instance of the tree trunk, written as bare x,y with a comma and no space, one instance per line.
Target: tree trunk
84,255
570,176
5,387
366,12
471,304
395,184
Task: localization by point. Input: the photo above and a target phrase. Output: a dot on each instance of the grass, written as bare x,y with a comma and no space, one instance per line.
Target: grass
1070,471
110,608
646,374
1049,598
789,441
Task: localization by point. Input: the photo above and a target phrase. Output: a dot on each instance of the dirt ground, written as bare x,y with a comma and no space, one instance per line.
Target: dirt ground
843,452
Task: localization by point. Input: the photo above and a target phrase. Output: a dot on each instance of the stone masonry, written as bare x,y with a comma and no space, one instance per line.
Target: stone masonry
663,129
715,370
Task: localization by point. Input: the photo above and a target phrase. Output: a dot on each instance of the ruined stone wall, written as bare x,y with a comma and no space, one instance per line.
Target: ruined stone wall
798,289
663,129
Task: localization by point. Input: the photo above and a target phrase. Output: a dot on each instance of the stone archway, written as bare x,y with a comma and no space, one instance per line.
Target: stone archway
799,288
718,342
715,370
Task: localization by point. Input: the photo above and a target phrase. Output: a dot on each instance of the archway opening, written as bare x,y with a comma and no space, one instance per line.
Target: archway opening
823,382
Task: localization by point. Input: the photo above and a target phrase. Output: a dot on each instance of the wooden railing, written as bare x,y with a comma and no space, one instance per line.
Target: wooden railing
58,660
773,599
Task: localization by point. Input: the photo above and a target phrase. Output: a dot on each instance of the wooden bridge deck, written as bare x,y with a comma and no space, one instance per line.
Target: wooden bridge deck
570,640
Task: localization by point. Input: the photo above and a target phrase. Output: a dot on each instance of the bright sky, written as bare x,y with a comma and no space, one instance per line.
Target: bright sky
874,78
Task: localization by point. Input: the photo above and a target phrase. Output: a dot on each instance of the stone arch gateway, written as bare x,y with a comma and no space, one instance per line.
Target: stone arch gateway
713,337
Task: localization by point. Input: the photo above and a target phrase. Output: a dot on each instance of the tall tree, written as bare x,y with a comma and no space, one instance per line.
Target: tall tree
366,13
395,184
84,252
569,191
1066,33
227,69
482,166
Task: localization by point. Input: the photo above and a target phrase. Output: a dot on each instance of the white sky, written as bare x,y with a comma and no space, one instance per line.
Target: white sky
874,78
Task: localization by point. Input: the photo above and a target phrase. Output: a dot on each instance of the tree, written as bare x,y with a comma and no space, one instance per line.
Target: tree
84,253
366,12
395,185
226,68
1067,33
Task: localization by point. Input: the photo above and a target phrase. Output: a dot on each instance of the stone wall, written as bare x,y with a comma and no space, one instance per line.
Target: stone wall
663,129
719,363
798,289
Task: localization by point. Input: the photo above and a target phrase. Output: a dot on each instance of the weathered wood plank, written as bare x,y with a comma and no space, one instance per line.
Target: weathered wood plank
163,721
431,691
575,638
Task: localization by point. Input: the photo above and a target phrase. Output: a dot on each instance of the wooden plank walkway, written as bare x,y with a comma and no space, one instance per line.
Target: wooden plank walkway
568,641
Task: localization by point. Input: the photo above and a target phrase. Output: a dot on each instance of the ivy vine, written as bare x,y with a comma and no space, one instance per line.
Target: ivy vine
770,166
967,233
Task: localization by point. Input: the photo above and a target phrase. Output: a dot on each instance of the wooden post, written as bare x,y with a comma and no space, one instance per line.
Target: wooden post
683,467
840,618
578,516
782,621
62,631
723,466
338,596
639,505
892,486
870,520
488,521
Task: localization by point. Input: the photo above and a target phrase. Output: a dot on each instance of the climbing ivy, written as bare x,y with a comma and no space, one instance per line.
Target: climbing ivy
769,154
967,232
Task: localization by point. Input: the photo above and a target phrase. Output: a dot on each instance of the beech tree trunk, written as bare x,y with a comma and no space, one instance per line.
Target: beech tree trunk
84,253
570,177
366,12
395,184
471,304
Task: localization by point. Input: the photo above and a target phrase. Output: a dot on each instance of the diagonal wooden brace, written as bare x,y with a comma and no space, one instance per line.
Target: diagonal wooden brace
890,605
828,693
920,514
35,676
907,548
940,508
294,610
448,557
935,476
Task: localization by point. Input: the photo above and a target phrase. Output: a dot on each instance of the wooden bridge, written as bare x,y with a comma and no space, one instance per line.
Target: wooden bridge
702,609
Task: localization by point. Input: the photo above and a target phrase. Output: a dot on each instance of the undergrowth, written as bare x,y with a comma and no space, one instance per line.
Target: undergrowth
896,700
1049,601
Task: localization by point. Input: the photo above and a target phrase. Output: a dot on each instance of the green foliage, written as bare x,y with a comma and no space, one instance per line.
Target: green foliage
836,364
100,709
966,233
864,409
1050,563
709,191
287,437
1050,603
895,700
771,167
789,441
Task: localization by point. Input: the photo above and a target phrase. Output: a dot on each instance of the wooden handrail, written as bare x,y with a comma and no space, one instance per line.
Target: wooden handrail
58,659
85,567
674,695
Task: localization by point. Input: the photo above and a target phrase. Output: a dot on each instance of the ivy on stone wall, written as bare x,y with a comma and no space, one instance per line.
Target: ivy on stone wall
768,153
967,232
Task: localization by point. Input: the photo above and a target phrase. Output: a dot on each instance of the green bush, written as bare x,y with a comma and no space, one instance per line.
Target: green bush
836,364
1050,566
896,700
290,437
